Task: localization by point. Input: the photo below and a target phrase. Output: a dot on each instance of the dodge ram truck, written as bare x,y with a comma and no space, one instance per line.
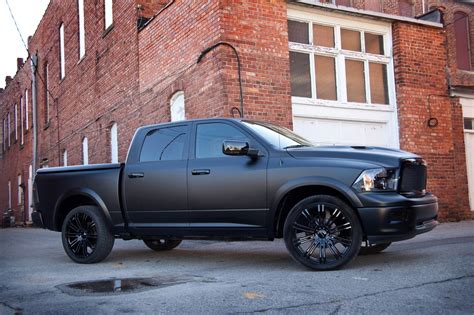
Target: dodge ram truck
237,179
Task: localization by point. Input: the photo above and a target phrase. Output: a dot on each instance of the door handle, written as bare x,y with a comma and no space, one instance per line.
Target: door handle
136,175
201,172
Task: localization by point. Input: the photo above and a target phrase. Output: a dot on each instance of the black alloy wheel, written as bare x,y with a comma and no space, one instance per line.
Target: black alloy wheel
161,244
322,232
371,249
86,236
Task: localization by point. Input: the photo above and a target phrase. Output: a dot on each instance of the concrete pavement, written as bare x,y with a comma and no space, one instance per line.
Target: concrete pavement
432,273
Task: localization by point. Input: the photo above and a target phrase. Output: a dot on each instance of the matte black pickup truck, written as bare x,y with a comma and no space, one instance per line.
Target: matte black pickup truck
234,179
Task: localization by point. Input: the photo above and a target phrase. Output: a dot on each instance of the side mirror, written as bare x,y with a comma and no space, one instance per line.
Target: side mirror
231,147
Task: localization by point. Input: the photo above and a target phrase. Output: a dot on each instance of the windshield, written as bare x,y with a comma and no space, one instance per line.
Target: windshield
278,137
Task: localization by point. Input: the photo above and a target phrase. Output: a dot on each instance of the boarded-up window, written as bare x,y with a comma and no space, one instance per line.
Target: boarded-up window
461,30
323,35
325,77
300,74
405,7
374,44
378,83
355,81
350,40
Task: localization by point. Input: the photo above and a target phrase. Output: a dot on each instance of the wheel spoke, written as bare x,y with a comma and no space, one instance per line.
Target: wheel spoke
308,216
310,250
303,240
334,250
333,217
322,253
342,227
303,228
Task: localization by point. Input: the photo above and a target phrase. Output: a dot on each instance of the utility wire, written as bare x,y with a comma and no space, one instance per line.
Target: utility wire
27,50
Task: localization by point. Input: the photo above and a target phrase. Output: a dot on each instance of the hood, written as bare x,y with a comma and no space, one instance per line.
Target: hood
378,155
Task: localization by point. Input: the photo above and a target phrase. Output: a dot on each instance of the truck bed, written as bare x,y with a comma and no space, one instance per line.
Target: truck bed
57,184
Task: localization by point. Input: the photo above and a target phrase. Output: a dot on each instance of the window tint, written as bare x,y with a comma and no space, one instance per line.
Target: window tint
209,139
461,32
164,144
298,32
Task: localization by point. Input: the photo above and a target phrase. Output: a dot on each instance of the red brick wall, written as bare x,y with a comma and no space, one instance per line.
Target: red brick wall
422,92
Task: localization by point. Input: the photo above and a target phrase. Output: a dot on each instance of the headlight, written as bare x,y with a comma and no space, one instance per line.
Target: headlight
377,179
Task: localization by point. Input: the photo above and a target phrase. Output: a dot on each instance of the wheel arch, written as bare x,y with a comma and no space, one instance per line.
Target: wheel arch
293,192
76,198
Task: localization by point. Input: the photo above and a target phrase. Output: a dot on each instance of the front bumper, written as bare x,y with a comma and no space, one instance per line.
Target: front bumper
393,217
37,219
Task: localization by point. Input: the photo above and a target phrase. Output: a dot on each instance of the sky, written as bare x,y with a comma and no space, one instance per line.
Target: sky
28,14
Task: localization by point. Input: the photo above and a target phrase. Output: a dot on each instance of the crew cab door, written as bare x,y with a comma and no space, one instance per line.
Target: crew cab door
225,192
154,180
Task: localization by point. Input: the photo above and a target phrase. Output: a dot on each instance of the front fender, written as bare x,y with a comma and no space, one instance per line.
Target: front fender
84,192
340,187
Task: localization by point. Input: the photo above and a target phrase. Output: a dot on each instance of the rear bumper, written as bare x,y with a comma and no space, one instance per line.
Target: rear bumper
37,219
398,218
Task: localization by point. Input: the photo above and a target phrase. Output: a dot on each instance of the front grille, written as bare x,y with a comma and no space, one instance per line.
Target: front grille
413,177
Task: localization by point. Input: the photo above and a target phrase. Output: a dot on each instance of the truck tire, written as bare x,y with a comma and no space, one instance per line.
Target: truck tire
161,244
86,236
373,249
322,232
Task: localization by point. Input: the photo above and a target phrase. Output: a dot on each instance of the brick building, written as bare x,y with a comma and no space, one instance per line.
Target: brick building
338,72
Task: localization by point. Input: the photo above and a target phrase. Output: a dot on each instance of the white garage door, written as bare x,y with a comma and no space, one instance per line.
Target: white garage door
468,113
342,79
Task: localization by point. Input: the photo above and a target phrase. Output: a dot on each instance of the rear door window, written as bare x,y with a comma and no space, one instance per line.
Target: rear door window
164,144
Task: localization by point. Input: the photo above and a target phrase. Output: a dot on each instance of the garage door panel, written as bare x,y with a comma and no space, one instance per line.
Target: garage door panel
323,131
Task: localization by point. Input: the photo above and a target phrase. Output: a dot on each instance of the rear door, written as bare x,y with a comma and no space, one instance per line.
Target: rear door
225,192
155,182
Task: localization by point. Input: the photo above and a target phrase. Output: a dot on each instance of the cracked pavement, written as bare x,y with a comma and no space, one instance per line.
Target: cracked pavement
430,274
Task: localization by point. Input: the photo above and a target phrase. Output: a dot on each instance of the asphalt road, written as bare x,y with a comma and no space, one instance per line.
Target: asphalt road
431,274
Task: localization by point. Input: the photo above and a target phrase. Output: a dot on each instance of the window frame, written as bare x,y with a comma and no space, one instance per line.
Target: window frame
22,117
81,29
338,22
26,110
85,151
62,57
114,143
468,38
16,122
64,156
108,14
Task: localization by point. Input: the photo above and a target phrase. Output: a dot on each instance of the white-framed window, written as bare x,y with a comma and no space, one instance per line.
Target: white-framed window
177,107
108,13
4,137
20,191
46,92
82,34
114,143
64,157
9,194
62,58
339,61
16,122
85,151
21,120
26,110
9,131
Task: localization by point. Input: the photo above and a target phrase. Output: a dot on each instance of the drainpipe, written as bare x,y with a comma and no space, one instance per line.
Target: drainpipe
34,65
